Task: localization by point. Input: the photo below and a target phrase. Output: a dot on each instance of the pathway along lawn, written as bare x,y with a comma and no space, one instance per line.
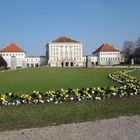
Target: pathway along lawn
28,116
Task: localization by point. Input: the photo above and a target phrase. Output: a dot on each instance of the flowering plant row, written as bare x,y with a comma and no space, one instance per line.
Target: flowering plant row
130,86
123,78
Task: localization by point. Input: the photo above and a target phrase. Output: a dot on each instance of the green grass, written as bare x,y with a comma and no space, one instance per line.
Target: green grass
27,116
42,79
135,73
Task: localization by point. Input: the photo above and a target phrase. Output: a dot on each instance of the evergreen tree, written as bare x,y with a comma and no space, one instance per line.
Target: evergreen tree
3,63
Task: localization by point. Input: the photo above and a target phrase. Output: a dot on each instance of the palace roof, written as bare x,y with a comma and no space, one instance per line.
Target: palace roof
105,48
64,39
12,48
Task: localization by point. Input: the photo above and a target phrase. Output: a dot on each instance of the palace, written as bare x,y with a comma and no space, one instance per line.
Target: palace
62,52
16,58
107,55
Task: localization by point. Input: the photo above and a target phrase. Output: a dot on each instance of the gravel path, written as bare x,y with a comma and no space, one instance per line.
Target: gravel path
122,128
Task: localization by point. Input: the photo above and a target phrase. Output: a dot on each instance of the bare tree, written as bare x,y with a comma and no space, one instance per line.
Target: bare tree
128,50
137,52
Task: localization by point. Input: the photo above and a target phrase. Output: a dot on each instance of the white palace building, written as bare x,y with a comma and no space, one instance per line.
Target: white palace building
106,55
16,58
62,52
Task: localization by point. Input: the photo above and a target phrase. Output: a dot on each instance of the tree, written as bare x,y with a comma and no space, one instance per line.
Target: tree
131,50
137,55
3,63
128,50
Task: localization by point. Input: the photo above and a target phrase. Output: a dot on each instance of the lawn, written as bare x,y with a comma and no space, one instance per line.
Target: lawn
136,73
43,79
28,116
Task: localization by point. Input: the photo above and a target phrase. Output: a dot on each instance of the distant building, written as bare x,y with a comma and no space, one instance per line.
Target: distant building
16,58
35,61
107,55
64,52
90,60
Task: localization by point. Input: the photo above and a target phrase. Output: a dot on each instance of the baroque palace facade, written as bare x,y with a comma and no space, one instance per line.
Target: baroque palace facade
62,52
17,58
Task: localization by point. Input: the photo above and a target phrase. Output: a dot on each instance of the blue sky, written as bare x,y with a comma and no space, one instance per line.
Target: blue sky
32,23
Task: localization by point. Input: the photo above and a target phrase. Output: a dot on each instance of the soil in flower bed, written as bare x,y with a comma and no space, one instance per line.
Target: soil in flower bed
28,116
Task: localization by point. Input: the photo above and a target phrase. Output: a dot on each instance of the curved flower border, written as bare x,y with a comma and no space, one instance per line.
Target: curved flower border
129,86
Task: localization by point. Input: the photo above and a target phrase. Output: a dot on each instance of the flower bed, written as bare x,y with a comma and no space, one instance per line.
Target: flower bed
130,86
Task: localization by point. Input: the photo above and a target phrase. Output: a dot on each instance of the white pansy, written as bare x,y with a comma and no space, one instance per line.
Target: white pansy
114,94
71,98
97,98
48,101
41,101
56,102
